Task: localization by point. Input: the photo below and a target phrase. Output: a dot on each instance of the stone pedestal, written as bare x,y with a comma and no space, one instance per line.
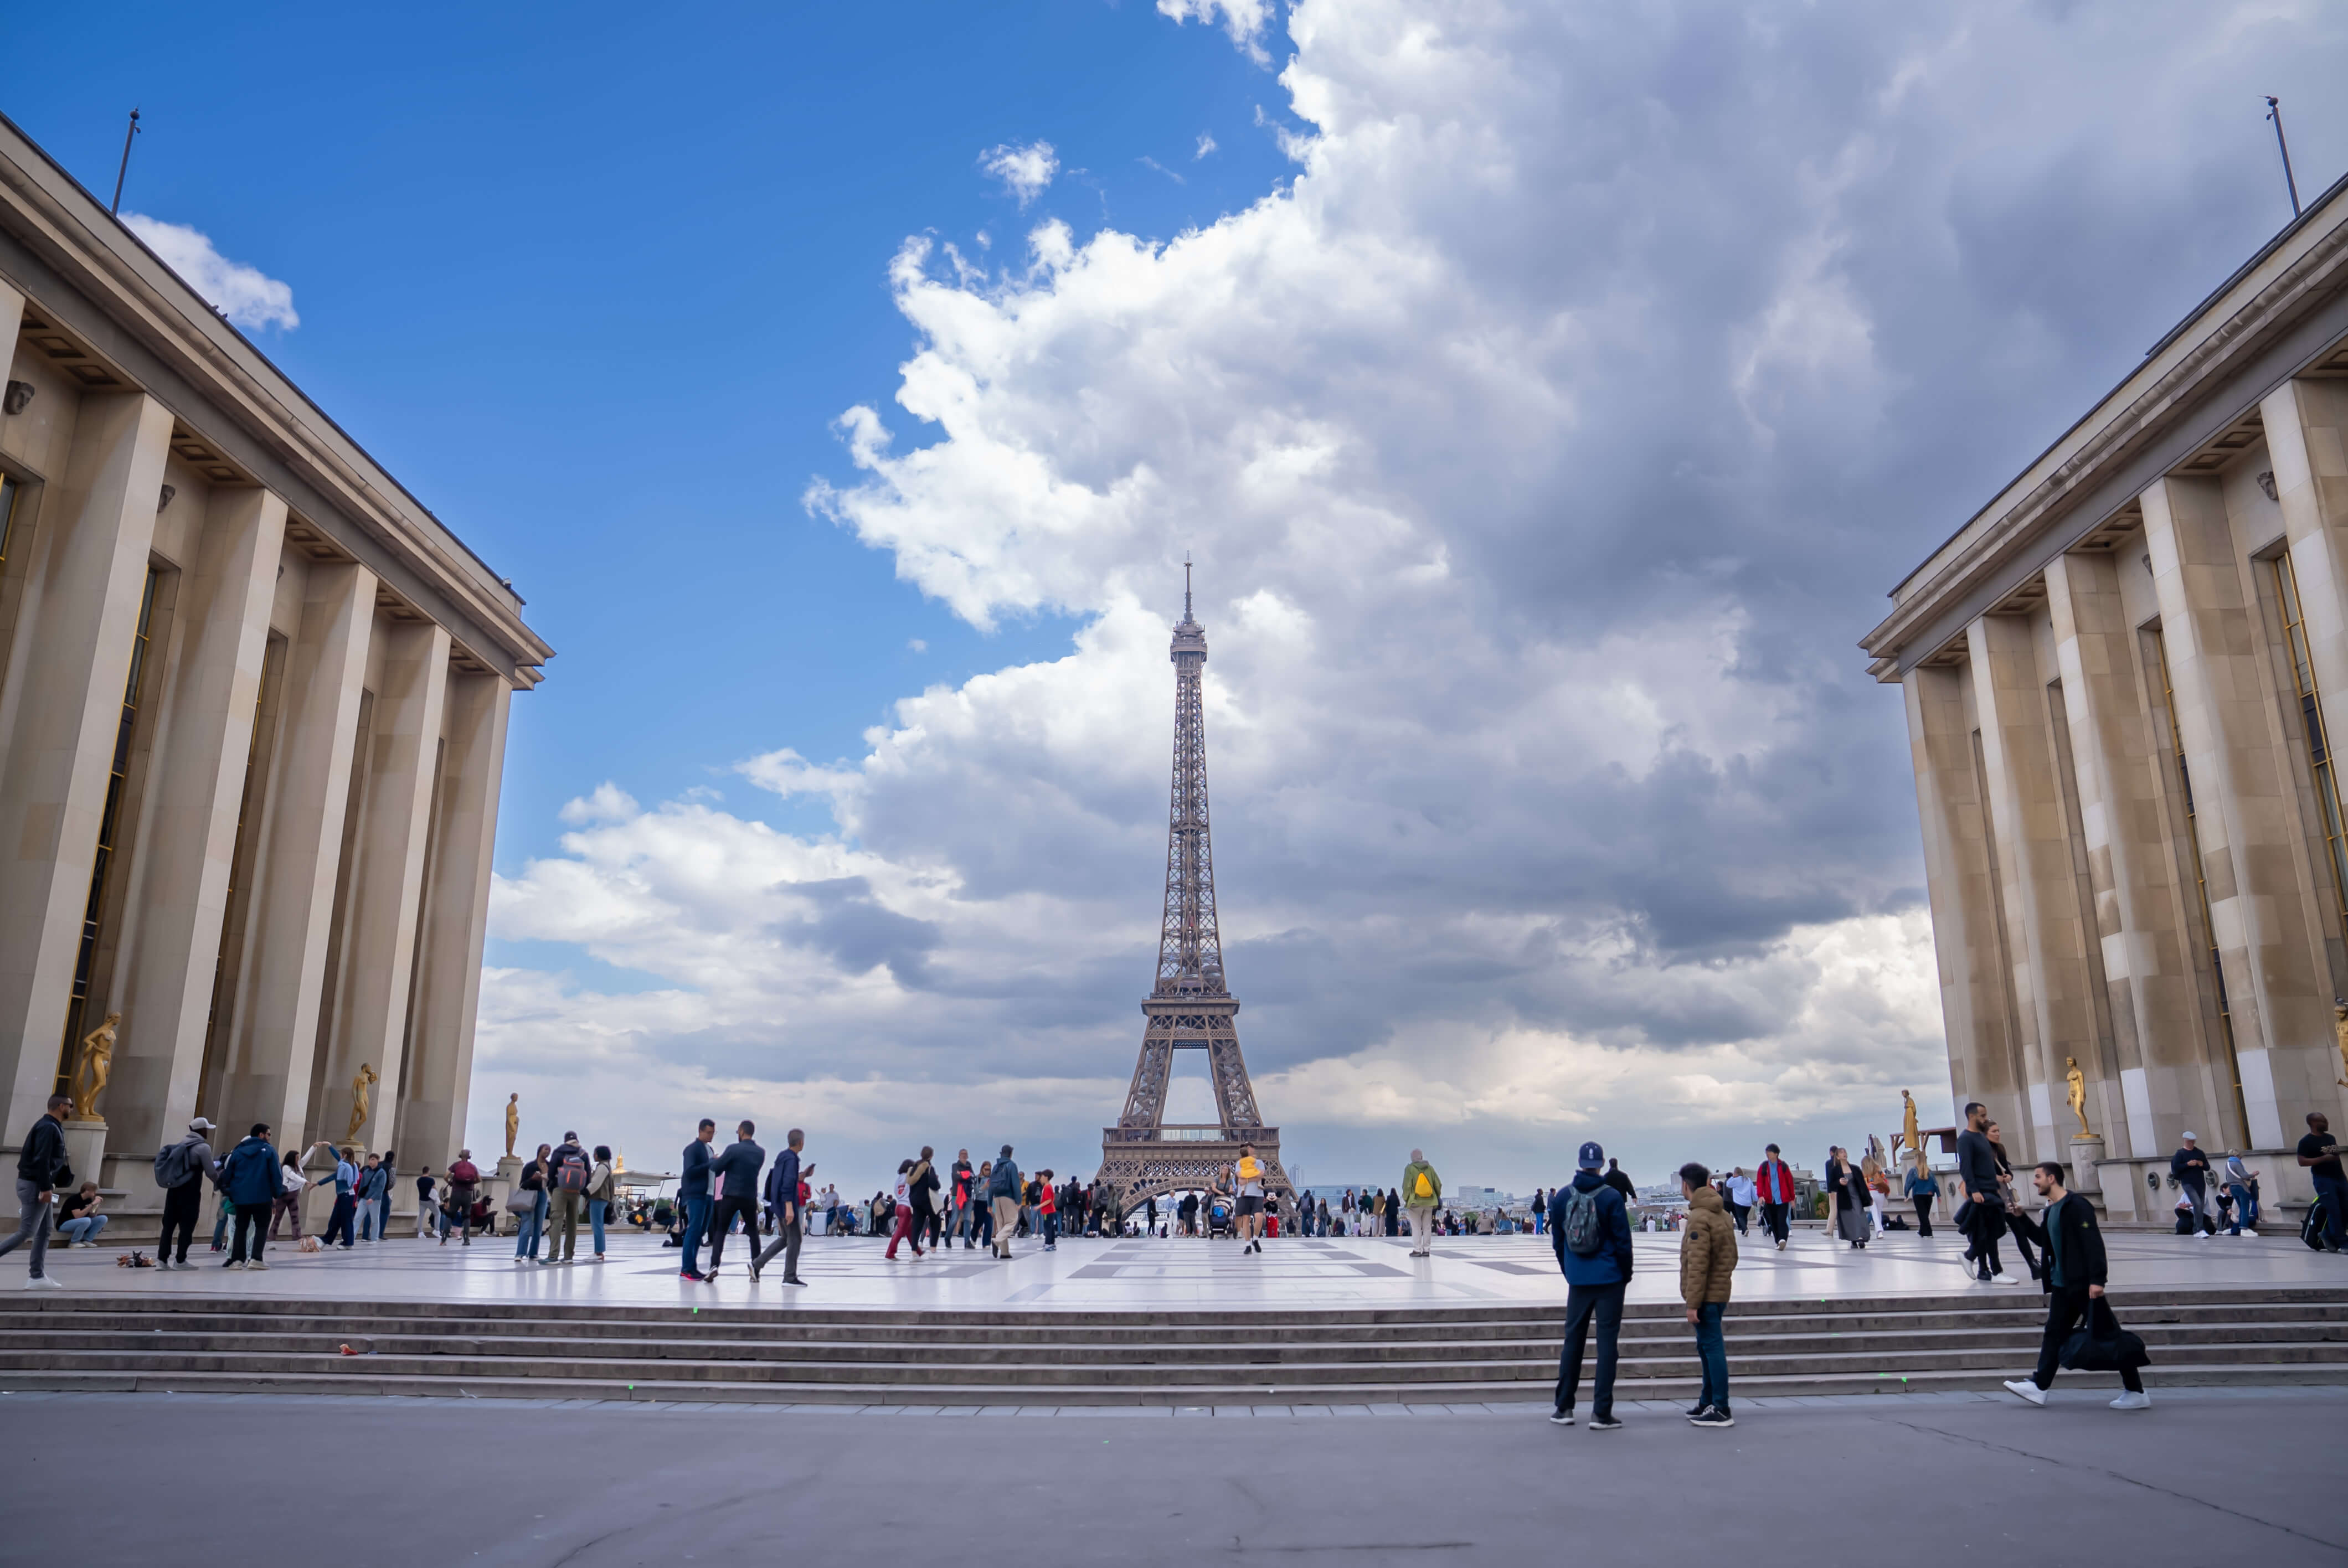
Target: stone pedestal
84,1148
2085,1152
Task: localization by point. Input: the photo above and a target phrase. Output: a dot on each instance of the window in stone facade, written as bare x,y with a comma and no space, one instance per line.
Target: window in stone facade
2311,713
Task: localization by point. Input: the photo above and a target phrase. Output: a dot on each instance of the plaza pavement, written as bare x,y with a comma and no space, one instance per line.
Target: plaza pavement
2205,1478
1175,1273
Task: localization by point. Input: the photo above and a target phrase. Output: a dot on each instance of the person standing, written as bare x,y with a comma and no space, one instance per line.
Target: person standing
533,1217
693,1196
427,1211
1773,1185
1708,1262
1422,1191
1589,1229
390,1185
1922,1189
1984,1212
981,1205
1250,1171
1619,1180
291,1185
782,1198
2191,1167
340,1218
464,1181
1002,1197
1048,1211
567,1176
2319,1154
1849,1194
737,1173
602,1193
181,1170
372,1182
249,1178
966,1228
922,1197
2074,1281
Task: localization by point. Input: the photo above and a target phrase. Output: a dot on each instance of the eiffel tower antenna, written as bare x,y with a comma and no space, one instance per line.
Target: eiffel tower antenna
1189,1007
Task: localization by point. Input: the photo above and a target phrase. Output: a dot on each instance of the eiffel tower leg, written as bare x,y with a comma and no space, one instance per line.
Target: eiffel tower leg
1144,1104
1234,1096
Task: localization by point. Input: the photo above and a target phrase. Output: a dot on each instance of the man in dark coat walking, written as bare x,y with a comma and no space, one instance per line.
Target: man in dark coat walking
2073,1282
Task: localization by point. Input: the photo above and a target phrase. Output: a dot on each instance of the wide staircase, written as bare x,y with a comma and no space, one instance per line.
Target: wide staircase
1417,1356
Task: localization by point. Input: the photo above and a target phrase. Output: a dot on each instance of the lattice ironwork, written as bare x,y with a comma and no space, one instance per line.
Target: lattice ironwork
1190,1008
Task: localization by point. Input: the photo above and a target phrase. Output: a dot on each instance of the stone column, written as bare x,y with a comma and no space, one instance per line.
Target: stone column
2043,923
448,988
274,1035
2254,861
70,656
1975,1004
2307,443
2156,1009
181,880
379,937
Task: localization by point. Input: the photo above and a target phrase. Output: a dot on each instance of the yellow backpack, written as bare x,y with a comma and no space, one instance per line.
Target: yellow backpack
1422,1188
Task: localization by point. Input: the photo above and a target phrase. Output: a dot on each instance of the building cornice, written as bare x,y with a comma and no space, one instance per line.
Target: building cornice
74,260
2283,311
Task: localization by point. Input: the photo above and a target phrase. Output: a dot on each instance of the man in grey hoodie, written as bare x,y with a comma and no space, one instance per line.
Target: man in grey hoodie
193,1163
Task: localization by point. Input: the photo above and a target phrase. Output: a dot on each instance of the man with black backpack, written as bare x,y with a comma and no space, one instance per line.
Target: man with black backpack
567,1171
1590,1227
180,1170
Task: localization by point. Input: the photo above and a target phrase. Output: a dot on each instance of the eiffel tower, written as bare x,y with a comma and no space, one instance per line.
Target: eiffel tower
1190,1008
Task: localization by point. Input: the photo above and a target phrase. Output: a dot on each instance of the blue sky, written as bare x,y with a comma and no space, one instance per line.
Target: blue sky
1549,392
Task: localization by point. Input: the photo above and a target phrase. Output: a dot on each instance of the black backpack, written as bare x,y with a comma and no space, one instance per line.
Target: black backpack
2311,1229
1585,1227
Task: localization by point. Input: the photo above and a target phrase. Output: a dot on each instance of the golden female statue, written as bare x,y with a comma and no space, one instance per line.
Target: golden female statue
513,1121
2340,1032
93,1065
2077,1093
1909,1137
359,1101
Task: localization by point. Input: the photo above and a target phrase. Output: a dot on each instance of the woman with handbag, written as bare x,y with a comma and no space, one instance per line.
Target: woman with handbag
1849,1189
527,1202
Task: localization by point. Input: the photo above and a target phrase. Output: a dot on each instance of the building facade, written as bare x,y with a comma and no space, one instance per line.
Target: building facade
2121,678
253,701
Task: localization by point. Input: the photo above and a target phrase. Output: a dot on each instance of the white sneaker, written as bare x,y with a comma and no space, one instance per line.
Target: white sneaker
2246,1231
2024,1389
42,1282
256,1263
2139,1400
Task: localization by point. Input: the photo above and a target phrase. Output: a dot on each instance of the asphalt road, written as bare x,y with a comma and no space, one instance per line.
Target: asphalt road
2205,1478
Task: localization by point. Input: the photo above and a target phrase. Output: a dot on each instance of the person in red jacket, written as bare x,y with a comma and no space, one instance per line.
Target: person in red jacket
1772,1183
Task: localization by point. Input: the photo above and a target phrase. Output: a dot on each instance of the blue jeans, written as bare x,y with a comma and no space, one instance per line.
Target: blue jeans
370,1220
595,1208
84,1230
1712,1353
2334,1194
2243,1214
697,1220
533,1228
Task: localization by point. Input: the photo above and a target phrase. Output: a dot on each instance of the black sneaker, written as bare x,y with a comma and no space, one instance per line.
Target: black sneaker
1697,1409
1561,1418
1714,1416
1604,1424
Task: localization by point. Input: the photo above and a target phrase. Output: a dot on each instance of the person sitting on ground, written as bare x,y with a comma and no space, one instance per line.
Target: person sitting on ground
78,1217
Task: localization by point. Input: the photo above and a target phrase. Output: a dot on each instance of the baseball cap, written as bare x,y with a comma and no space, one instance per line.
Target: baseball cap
199,1125
2188,1136
1593,1156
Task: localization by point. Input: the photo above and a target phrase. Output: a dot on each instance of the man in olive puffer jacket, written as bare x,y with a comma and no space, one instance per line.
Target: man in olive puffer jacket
1707,1260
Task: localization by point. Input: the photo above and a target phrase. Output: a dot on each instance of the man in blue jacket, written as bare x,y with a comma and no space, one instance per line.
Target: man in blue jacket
249,1178
736,1173
783,1200
1003,1196
693,1192
1590,1227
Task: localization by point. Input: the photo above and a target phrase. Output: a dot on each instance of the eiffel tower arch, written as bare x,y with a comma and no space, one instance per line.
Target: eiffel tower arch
1190,1008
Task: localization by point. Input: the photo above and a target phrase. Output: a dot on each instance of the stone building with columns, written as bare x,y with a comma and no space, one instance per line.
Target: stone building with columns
2121,678
254,700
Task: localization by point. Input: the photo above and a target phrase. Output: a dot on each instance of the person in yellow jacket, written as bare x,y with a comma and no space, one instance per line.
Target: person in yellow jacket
1249,1175
1422,1190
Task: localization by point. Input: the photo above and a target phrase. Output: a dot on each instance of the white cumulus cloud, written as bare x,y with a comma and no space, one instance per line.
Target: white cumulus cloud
245,295
1025,171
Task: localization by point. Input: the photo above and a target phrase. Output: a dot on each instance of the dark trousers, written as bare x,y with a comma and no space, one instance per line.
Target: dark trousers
1739,1212
2334,1194
697,1220
1984,1225
1583,1303
787,1242
182,1207
346,1210
1712,1355
2066,1308
1924,1213
253,1218
1774,1219
720,1221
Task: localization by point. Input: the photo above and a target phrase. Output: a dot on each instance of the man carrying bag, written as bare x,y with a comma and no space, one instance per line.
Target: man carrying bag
2073,1282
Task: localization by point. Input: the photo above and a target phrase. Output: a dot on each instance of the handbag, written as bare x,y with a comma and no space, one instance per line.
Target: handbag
2101,1344
522,1200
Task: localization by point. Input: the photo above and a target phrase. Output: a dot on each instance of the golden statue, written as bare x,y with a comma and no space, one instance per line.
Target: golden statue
513,1121
1909,1137
359,1101
2340,1032
93,1065
2076,1094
